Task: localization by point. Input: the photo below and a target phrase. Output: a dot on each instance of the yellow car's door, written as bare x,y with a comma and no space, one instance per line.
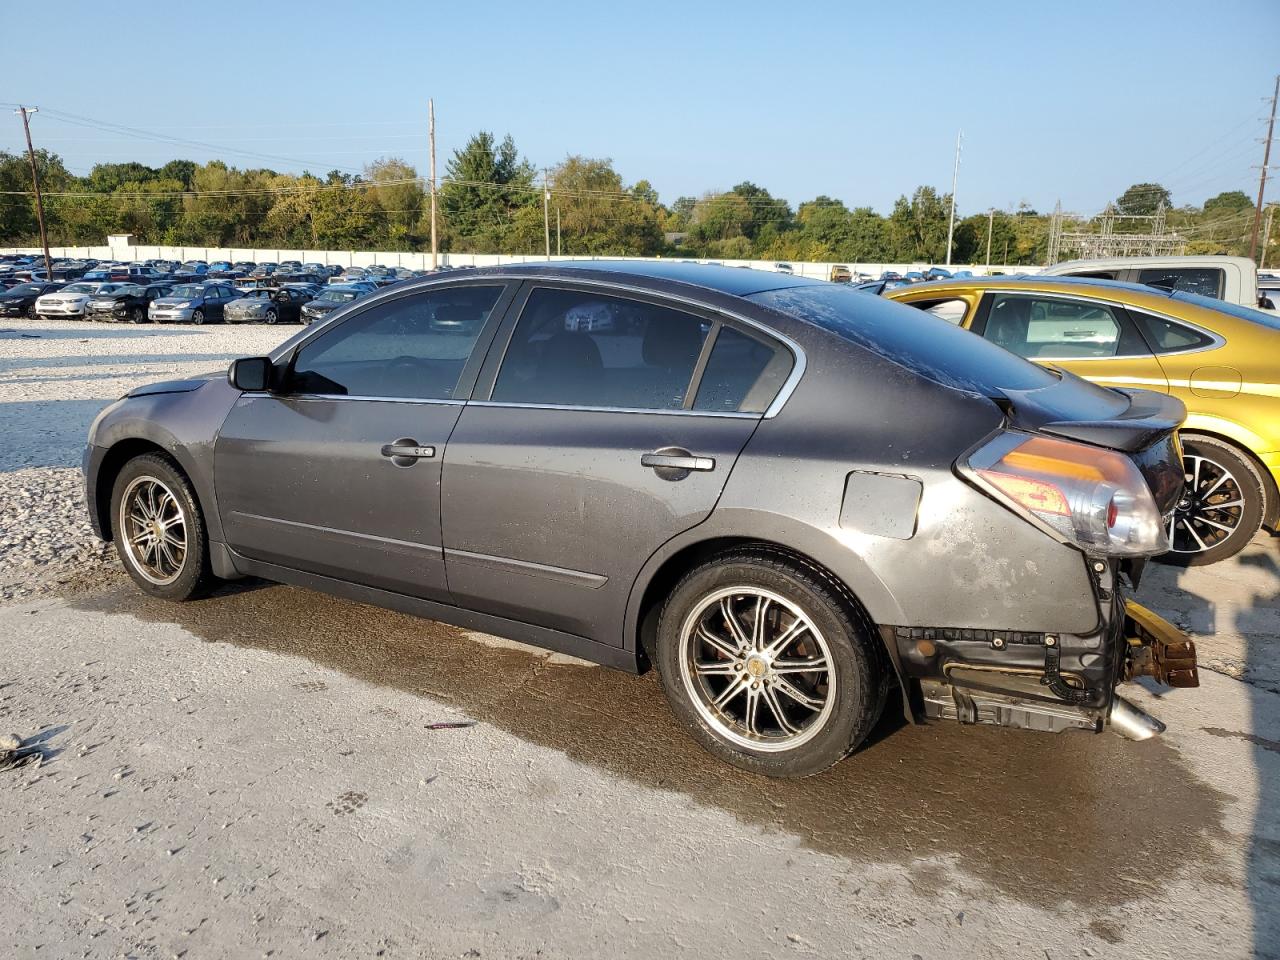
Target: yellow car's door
1091,338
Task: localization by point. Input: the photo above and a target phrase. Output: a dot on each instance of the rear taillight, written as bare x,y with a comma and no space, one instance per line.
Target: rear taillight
1091,497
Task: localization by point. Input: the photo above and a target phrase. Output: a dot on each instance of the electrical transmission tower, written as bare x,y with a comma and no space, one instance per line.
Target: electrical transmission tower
1116,235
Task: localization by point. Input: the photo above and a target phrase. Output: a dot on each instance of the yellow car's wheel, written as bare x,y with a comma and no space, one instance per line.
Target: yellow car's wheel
1222,506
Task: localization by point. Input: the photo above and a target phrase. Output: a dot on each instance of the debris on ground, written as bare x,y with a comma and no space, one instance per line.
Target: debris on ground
14,755
450,724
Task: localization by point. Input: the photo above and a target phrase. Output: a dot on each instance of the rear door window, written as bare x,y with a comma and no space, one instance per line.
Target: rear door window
1052,328
1206,281
585,349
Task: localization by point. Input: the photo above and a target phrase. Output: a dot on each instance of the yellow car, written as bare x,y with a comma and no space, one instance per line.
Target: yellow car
1221,360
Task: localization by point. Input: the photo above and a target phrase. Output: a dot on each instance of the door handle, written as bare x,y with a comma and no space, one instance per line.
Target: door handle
406,451
675,463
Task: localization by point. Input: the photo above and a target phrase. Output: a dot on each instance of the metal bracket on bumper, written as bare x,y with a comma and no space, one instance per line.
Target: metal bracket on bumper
1156,648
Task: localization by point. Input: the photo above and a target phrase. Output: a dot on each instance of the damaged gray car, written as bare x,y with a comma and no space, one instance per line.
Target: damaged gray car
797,501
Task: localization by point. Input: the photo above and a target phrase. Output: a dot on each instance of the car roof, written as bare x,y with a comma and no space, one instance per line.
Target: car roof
1134,263
1022,280
730,280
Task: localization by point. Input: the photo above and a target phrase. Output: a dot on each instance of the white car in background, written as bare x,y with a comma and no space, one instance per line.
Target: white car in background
71,301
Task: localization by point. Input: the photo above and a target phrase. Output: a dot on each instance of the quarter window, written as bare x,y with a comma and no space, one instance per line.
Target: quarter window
742,375
571,348
1051,328
412,348
1167,336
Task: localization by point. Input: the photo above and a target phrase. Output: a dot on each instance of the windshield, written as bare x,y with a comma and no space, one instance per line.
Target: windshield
110,287
25,288
80,288
188,291
337,296
910,338
1261,317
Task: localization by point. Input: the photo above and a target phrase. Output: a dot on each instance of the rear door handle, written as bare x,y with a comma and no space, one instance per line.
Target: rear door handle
406,451
677,461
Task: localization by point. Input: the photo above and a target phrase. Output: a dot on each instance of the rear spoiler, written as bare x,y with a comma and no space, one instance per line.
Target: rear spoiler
1150,418
1126,420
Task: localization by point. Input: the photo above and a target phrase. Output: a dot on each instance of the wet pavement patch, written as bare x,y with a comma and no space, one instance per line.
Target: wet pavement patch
1043,819
1272,745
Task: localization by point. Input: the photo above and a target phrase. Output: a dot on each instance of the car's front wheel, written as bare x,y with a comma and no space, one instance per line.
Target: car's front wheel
137,315
271,316
197,316
159,530
1221,507
767,664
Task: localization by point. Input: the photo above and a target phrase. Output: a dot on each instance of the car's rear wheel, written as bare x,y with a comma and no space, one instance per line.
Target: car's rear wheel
159,530
767,664
1222,505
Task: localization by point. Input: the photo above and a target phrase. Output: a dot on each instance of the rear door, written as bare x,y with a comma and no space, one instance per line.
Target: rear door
339,473
604,425
1091,338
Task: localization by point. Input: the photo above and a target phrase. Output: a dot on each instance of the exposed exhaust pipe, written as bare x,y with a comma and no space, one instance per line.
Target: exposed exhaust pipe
1133,722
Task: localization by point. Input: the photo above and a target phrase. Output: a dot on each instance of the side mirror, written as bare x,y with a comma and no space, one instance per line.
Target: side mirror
251,374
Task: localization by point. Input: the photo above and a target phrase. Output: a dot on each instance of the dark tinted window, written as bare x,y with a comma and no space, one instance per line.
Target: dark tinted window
1206,281
410,348
909,337
742,375
1060,329
1094,274
588,350
1169,336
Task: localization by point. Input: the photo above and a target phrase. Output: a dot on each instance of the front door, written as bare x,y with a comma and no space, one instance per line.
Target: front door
1095,340
611,426
339,473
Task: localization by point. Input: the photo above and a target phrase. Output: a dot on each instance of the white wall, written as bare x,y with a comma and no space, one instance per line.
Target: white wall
421,261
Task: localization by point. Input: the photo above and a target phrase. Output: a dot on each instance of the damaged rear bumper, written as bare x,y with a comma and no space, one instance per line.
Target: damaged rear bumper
1044,681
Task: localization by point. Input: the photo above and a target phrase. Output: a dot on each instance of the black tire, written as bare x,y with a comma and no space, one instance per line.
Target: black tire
197,316
272,316
855,686
193,577
1198,518
31,313
137,315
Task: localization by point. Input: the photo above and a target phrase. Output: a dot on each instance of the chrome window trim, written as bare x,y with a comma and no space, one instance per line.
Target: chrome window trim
1218,340
652,411
344,396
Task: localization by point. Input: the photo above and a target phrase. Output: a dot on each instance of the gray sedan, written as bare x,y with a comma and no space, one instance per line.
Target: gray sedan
794,499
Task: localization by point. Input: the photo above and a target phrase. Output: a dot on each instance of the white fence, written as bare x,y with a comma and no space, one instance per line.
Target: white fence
422,261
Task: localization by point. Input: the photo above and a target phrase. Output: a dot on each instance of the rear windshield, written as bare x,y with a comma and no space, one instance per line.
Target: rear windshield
909,337
1260,317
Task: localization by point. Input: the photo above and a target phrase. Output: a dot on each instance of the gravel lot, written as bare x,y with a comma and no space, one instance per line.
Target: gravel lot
250,775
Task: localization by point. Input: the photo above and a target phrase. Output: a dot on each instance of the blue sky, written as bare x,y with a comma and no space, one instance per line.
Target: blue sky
857,101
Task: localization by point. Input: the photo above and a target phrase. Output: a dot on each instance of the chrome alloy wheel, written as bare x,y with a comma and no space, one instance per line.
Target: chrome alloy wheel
155,530
1211,507
757,669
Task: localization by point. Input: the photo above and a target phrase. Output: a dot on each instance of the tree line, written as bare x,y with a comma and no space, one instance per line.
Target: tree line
491,200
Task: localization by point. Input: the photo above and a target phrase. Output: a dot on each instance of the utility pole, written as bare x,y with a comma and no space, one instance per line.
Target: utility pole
546,212
558,229
35,182
991,215
1262,180
1266,235
431,136
955,175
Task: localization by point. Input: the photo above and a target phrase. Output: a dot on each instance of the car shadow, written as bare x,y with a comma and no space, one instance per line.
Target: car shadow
1036,818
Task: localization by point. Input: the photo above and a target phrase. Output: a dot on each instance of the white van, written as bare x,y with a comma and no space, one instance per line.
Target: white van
1233,279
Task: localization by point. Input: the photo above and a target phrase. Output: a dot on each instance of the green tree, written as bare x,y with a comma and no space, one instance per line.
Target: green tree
486,186
599,215
1143,199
